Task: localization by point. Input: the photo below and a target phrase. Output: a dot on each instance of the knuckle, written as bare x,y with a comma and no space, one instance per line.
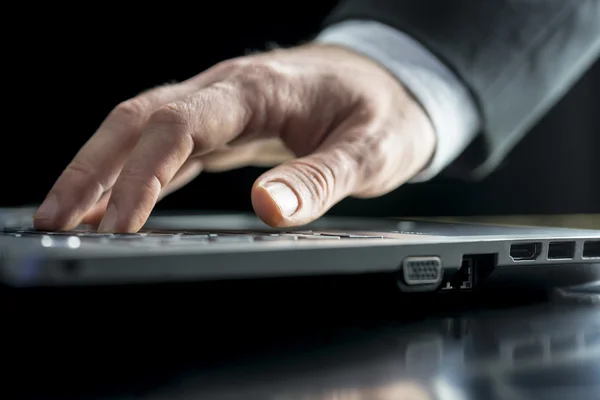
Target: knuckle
81,181
344,167
380,161
80,168
146,186
154,184
250,70
79,171
132,110
228,66
176,118
263,72
220,91
176,113
319,179
366,148
265,85
256,75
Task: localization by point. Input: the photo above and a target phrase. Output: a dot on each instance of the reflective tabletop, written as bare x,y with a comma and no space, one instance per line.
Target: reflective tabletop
445,348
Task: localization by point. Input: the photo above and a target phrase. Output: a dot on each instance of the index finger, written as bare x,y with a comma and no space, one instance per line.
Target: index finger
96,166
197,125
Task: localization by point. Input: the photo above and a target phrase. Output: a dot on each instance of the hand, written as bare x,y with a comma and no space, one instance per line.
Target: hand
337,124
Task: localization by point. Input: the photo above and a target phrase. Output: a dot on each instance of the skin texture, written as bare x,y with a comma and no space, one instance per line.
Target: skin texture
334,124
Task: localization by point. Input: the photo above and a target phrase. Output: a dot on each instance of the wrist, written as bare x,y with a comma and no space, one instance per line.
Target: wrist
447,102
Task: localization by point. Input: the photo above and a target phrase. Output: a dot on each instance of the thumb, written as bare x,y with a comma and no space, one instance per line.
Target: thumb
302,190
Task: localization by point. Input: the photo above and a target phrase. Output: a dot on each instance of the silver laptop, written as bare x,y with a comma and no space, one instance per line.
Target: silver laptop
419,256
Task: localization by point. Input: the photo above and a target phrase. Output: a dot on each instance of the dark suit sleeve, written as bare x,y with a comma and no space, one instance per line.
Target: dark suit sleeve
516,57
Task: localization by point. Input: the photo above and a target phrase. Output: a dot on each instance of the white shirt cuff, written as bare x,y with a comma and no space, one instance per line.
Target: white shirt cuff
444,98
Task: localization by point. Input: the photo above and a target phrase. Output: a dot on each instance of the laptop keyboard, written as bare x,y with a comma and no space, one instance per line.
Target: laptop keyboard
171,237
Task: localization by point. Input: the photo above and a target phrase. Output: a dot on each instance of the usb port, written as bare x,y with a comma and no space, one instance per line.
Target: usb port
561,250
591,249
525,251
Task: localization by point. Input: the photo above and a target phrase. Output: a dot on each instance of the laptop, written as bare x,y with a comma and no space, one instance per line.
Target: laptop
419,255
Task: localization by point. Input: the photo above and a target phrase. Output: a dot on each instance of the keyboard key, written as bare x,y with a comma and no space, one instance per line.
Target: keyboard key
311,237
231,239
187,238
276,237
129,236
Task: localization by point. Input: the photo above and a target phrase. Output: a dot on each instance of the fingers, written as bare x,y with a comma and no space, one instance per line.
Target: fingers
258,152
203,122
190,170
94,215
96,166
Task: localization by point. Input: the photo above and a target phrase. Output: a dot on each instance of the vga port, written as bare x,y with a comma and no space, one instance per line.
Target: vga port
422,270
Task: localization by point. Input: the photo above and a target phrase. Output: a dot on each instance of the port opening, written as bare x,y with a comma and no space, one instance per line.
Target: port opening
525,251
463,279
561,250
422,270
591,249
474,269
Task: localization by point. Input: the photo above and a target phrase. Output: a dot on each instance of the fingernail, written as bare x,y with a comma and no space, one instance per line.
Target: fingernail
109,221
284,197
48,209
